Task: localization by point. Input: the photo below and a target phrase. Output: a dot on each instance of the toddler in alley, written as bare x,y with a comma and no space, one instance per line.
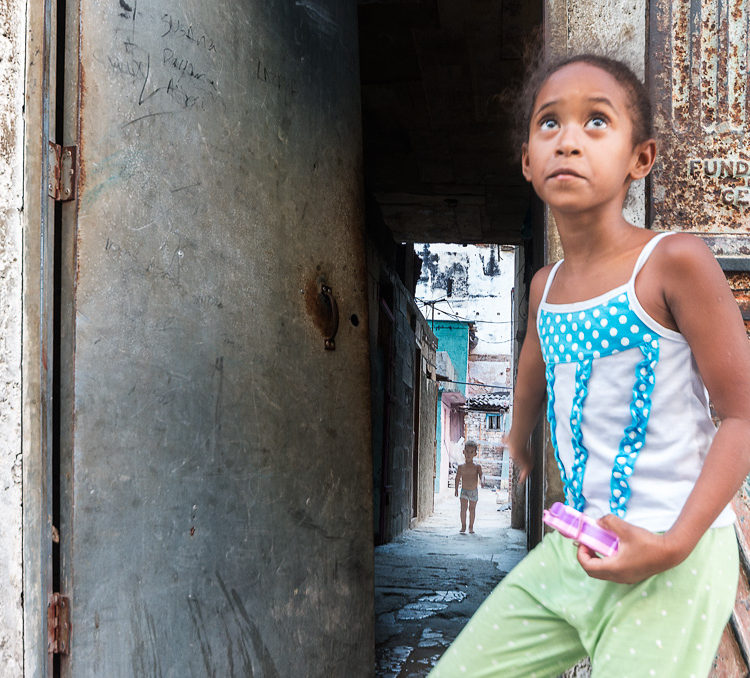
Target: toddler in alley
469,475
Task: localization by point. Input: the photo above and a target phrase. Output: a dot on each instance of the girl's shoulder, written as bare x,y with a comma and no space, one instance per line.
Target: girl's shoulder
536,289
679,280
681,256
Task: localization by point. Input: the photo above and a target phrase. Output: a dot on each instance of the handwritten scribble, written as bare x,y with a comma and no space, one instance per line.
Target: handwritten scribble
177,28
185,67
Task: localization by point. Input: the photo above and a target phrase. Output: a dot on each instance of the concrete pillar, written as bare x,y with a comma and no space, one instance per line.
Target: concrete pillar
615,28
12,59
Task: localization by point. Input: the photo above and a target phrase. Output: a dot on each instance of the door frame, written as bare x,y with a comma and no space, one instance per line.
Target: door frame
37,368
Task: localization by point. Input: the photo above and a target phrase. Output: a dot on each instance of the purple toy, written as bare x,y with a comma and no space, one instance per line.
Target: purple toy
576,525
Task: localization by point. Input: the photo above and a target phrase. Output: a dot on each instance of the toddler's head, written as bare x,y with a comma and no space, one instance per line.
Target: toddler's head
470,450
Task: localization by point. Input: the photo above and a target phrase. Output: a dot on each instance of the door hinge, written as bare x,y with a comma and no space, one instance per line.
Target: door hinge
58,624
63,171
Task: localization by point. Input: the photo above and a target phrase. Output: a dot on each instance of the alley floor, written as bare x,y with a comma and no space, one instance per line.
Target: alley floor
430,581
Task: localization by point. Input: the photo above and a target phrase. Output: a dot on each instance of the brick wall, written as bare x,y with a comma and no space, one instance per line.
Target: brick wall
491,454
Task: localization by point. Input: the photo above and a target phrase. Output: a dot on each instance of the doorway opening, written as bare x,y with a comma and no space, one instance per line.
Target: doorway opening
440,168
466,294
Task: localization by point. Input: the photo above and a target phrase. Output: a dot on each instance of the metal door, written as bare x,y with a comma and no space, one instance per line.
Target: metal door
216,479
699,79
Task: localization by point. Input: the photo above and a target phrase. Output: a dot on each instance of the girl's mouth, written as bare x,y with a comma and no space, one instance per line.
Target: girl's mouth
565,173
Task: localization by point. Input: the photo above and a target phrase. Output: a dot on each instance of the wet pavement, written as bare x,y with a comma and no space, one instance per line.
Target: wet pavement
430,581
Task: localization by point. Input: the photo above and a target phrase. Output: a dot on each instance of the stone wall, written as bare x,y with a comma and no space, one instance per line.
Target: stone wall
394,430
491,454
12,57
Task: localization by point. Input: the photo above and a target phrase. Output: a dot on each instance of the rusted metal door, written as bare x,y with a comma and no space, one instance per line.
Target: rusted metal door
698,71
216,480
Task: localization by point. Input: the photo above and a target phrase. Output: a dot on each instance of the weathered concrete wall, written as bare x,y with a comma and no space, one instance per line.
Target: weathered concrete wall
616,28
12,59
495,370
428,391
613,27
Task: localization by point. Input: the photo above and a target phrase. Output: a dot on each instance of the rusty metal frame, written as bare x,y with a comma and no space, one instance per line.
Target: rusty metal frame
698,76
37,307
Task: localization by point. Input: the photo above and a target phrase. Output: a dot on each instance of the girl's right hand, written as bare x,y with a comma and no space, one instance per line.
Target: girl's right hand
520,454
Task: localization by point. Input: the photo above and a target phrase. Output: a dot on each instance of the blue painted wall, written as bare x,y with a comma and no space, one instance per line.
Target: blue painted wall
453,337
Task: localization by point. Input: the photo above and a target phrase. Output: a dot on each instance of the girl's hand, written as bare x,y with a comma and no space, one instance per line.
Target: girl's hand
521,456
640,554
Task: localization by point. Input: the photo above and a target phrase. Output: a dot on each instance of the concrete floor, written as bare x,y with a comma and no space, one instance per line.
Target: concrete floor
430,581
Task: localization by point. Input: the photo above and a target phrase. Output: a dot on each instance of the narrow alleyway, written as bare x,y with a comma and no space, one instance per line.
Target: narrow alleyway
431,580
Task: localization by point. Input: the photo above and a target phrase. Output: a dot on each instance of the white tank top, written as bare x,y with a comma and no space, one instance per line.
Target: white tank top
628,410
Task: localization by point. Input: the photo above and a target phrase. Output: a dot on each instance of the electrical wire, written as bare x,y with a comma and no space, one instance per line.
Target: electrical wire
472,383
467,320
502,341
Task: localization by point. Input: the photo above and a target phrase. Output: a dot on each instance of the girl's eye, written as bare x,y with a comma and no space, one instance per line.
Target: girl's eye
548,123
597,122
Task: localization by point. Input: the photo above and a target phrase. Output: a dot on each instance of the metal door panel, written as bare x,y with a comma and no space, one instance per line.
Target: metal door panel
698,68
698,63
213,439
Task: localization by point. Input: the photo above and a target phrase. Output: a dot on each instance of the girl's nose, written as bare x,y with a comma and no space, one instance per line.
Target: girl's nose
568,143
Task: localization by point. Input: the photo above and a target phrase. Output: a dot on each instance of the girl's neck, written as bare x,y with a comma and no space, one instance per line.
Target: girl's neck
587,237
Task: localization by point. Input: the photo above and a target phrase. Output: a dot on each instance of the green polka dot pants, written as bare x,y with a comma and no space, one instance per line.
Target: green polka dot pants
547,614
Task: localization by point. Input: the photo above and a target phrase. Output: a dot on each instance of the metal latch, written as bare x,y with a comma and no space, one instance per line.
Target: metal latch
63,171
58,624
327,303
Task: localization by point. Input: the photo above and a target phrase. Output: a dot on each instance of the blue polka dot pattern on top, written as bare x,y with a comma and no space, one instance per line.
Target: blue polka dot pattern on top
595,332
583,336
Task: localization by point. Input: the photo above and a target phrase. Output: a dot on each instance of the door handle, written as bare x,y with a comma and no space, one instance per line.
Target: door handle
328,302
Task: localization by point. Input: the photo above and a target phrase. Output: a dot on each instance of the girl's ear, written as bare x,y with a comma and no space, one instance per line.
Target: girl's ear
525,168
644,156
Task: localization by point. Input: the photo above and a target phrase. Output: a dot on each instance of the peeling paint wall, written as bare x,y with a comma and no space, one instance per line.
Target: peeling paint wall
12,56
474,283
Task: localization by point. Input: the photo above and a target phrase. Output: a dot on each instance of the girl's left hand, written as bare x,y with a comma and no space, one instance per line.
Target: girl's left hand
640,554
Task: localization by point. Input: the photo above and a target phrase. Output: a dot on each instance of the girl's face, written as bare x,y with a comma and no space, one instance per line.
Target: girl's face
580,153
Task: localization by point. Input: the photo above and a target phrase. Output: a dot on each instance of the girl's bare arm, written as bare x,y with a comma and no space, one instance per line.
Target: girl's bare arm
530,388
706,313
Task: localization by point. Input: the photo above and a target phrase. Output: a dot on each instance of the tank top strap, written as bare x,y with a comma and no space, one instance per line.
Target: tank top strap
646,253
550,278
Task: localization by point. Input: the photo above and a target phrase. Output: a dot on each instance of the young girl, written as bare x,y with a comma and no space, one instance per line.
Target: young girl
627,337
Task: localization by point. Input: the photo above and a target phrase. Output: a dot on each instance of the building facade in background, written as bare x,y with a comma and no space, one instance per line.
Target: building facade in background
465,293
